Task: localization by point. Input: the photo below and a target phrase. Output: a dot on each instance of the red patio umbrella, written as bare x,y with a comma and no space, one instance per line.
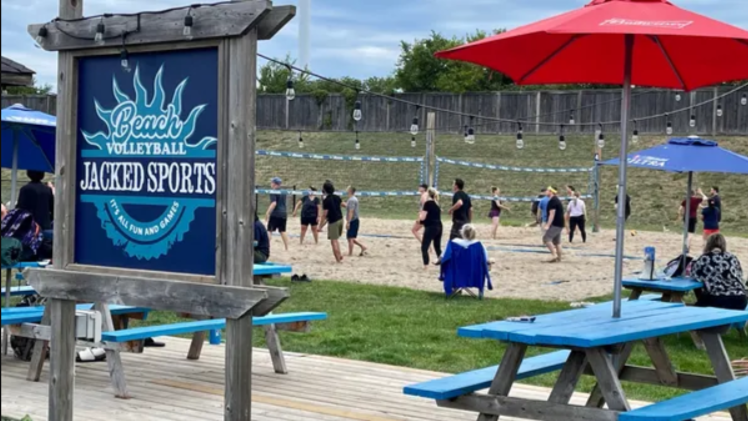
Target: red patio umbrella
624,42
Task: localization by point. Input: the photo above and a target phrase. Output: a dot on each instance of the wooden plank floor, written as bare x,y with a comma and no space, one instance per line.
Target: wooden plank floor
166,386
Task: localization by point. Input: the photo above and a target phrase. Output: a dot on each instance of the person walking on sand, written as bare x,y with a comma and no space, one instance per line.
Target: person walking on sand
276,217
576,213
431,218
555,226
309,205
353,222
461,210
495,213
332,217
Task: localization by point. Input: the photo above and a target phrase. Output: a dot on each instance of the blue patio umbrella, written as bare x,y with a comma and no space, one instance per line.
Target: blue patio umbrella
687,155
28,142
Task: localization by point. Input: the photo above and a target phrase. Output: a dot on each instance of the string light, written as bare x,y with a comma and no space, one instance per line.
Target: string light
635,137
598,130
301,141
470,133
42,35
188,22
414,125
572,121
357,114
520,140
719,111
290,91
123,56
561,138
413,142
100,29
744,100
465,134
601,140
677,97
358,144
669,125
692,122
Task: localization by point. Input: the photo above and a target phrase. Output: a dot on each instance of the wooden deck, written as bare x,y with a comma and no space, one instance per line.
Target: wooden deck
166,386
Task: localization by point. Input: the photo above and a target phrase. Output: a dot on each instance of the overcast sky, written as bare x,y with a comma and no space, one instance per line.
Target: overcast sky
358,38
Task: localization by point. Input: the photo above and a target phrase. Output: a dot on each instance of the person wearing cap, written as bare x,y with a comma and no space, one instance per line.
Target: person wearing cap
555,225
277,216
309,205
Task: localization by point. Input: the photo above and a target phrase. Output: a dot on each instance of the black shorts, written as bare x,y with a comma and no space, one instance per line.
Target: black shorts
277,224
306,221
692,225
352,233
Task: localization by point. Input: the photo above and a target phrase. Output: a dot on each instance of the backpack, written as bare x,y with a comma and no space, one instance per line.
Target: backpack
20,225
679,267
12,249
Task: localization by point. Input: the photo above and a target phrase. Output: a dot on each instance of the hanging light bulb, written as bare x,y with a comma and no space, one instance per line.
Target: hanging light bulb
719,111
520,139
678,97
124,60
358,144
188,22
301,141
290,91
357,114
635,136
561,139
471,132
668,126
413,142
572,121
744,100
601,140
414,126
100,29
467,139
42,35
598,130
692,121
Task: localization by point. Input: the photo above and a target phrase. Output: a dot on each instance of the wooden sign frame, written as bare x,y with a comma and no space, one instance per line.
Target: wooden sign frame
234,29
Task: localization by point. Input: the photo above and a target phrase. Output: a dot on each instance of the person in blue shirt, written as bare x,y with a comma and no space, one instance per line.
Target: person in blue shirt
711,216
543,211
262,249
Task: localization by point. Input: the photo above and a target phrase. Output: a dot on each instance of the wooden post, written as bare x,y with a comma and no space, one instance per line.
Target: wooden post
62,312
538,107
715,104
239,110
430,147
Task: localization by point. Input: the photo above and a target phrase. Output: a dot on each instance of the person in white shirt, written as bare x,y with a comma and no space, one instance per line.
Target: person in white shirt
577,215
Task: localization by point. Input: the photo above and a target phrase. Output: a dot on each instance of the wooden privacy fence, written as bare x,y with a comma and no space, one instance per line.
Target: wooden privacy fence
310,112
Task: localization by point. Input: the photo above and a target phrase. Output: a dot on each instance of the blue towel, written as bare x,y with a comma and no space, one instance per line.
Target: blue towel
465,265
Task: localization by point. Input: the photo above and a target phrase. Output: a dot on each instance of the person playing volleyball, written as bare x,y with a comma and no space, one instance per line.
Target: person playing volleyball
309,205
423,197
495,213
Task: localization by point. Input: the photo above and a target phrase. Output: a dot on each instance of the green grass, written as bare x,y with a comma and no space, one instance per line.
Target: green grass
408,328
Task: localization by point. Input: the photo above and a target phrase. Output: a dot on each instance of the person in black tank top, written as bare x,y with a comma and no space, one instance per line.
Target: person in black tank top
495,213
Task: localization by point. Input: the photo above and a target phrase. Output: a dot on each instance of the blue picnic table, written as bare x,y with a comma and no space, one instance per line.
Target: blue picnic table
592,342
672,289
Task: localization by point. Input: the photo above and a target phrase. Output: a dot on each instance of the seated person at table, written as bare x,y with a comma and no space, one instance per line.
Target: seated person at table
262,249
722,275
5,211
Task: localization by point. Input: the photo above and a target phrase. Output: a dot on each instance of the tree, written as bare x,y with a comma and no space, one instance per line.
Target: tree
35,89
381,85
419,71
273,78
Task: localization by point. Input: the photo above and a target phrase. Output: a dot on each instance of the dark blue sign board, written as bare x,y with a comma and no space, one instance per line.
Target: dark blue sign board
146,162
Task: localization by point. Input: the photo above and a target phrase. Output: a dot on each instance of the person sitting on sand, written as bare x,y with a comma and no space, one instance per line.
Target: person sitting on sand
722,276
465,263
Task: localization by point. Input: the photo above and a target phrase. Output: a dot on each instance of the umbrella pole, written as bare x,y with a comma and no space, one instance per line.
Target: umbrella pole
687,217
622,174
14,172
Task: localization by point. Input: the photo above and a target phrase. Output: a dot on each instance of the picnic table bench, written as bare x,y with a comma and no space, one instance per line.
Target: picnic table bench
593,343
671,290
